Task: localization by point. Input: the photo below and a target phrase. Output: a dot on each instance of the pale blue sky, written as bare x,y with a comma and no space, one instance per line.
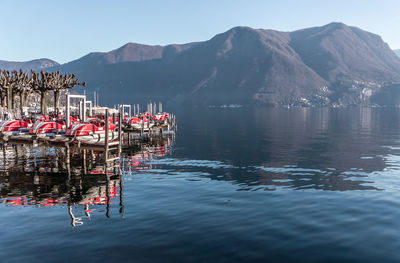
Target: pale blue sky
67,30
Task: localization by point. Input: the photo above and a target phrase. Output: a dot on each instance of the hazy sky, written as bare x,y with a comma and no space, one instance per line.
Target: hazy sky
66,30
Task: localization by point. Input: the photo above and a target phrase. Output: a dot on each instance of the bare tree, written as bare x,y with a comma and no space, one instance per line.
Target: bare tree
62,82
22,88
21,84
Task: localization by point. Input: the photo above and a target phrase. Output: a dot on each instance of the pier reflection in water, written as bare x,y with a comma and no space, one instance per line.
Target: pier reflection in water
78,179
240,185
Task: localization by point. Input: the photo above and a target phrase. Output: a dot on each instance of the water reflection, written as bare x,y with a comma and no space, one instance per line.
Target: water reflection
76,179
44,189
141,156
301,149
266,177
269,182
308,148
305,178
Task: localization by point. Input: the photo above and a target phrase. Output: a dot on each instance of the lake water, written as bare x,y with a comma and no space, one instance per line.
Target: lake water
236,185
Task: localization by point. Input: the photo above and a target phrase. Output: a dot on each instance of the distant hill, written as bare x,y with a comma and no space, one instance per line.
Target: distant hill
37,64
339,52
130,52
397,51
333,64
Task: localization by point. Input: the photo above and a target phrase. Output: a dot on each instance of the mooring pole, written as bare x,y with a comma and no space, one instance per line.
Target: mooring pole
106,136
175,125
107,193
120,132
84,162
84,109
68,161
121,196
80,110
142,126
148,124
67,106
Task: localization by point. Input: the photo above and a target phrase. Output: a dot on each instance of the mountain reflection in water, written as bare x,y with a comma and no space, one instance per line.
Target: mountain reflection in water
237,185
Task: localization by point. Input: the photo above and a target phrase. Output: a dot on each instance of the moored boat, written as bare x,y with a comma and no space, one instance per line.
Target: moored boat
161,118
93,132
15,128
139,123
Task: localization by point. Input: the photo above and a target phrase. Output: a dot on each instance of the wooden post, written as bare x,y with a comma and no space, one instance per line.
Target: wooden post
175,123
80,110
107,193
148,124
119,133
84,162
106,135
142,131
67,153
121,196
68,161
67,107
175,127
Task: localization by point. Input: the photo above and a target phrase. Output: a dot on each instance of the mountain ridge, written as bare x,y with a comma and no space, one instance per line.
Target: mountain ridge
36,64
333,64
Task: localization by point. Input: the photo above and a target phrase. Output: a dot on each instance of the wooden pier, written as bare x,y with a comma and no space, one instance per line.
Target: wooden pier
110,140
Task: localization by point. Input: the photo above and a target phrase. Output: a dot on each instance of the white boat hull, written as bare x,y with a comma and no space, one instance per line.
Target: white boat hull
96,137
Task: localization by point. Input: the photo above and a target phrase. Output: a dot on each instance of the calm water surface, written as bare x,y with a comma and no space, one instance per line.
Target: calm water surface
237,185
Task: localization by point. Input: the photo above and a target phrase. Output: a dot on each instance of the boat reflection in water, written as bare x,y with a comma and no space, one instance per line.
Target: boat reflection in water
80,180
139,158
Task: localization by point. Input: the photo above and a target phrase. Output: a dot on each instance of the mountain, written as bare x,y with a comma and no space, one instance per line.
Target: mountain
336,51
333,64
37,64
397,51
131,52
